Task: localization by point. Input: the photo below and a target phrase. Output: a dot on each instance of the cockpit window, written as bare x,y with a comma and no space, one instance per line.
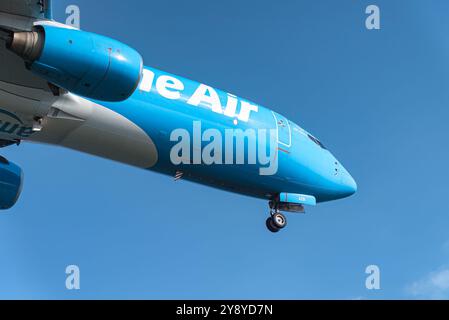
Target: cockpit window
318,142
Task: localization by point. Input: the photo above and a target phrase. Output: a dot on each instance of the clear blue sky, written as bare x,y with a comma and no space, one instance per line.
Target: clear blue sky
378,99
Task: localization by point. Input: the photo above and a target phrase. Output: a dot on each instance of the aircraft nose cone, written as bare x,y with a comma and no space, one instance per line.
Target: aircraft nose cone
348,185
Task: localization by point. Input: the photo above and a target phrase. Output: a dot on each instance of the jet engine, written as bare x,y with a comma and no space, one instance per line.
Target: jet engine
11,181
84,63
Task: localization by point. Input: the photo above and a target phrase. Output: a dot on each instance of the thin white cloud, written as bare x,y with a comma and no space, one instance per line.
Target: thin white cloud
433,286
358,298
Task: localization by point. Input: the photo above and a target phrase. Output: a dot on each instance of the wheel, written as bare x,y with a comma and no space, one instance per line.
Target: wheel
271,226
279,220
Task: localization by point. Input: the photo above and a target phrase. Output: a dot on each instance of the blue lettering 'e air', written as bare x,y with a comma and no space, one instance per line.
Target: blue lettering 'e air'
195,124
217,145
12,125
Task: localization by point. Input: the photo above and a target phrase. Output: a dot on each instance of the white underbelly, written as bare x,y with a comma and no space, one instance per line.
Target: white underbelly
80,124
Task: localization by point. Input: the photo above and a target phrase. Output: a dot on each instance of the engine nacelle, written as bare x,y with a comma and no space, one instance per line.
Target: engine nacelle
11,181
84,63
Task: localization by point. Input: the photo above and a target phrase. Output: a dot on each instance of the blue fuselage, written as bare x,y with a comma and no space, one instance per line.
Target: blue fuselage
164,104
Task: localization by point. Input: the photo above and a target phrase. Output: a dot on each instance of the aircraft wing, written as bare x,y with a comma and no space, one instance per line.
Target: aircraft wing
32,9
17,84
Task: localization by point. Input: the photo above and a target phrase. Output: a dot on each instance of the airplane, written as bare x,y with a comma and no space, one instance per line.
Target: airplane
67,87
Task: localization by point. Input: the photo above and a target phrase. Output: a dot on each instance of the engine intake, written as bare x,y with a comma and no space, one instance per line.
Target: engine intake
84,63
11,181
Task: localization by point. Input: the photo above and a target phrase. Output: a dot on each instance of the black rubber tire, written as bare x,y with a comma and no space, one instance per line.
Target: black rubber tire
279,220
270,225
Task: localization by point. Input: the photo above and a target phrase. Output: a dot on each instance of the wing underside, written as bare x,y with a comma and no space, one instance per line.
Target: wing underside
19,15
34,9
21,92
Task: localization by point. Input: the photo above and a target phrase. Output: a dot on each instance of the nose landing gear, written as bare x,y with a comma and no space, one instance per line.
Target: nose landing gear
277,220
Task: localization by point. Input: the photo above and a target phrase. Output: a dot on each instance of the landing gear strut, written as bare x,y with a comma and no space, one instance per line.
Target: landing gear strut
277,220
